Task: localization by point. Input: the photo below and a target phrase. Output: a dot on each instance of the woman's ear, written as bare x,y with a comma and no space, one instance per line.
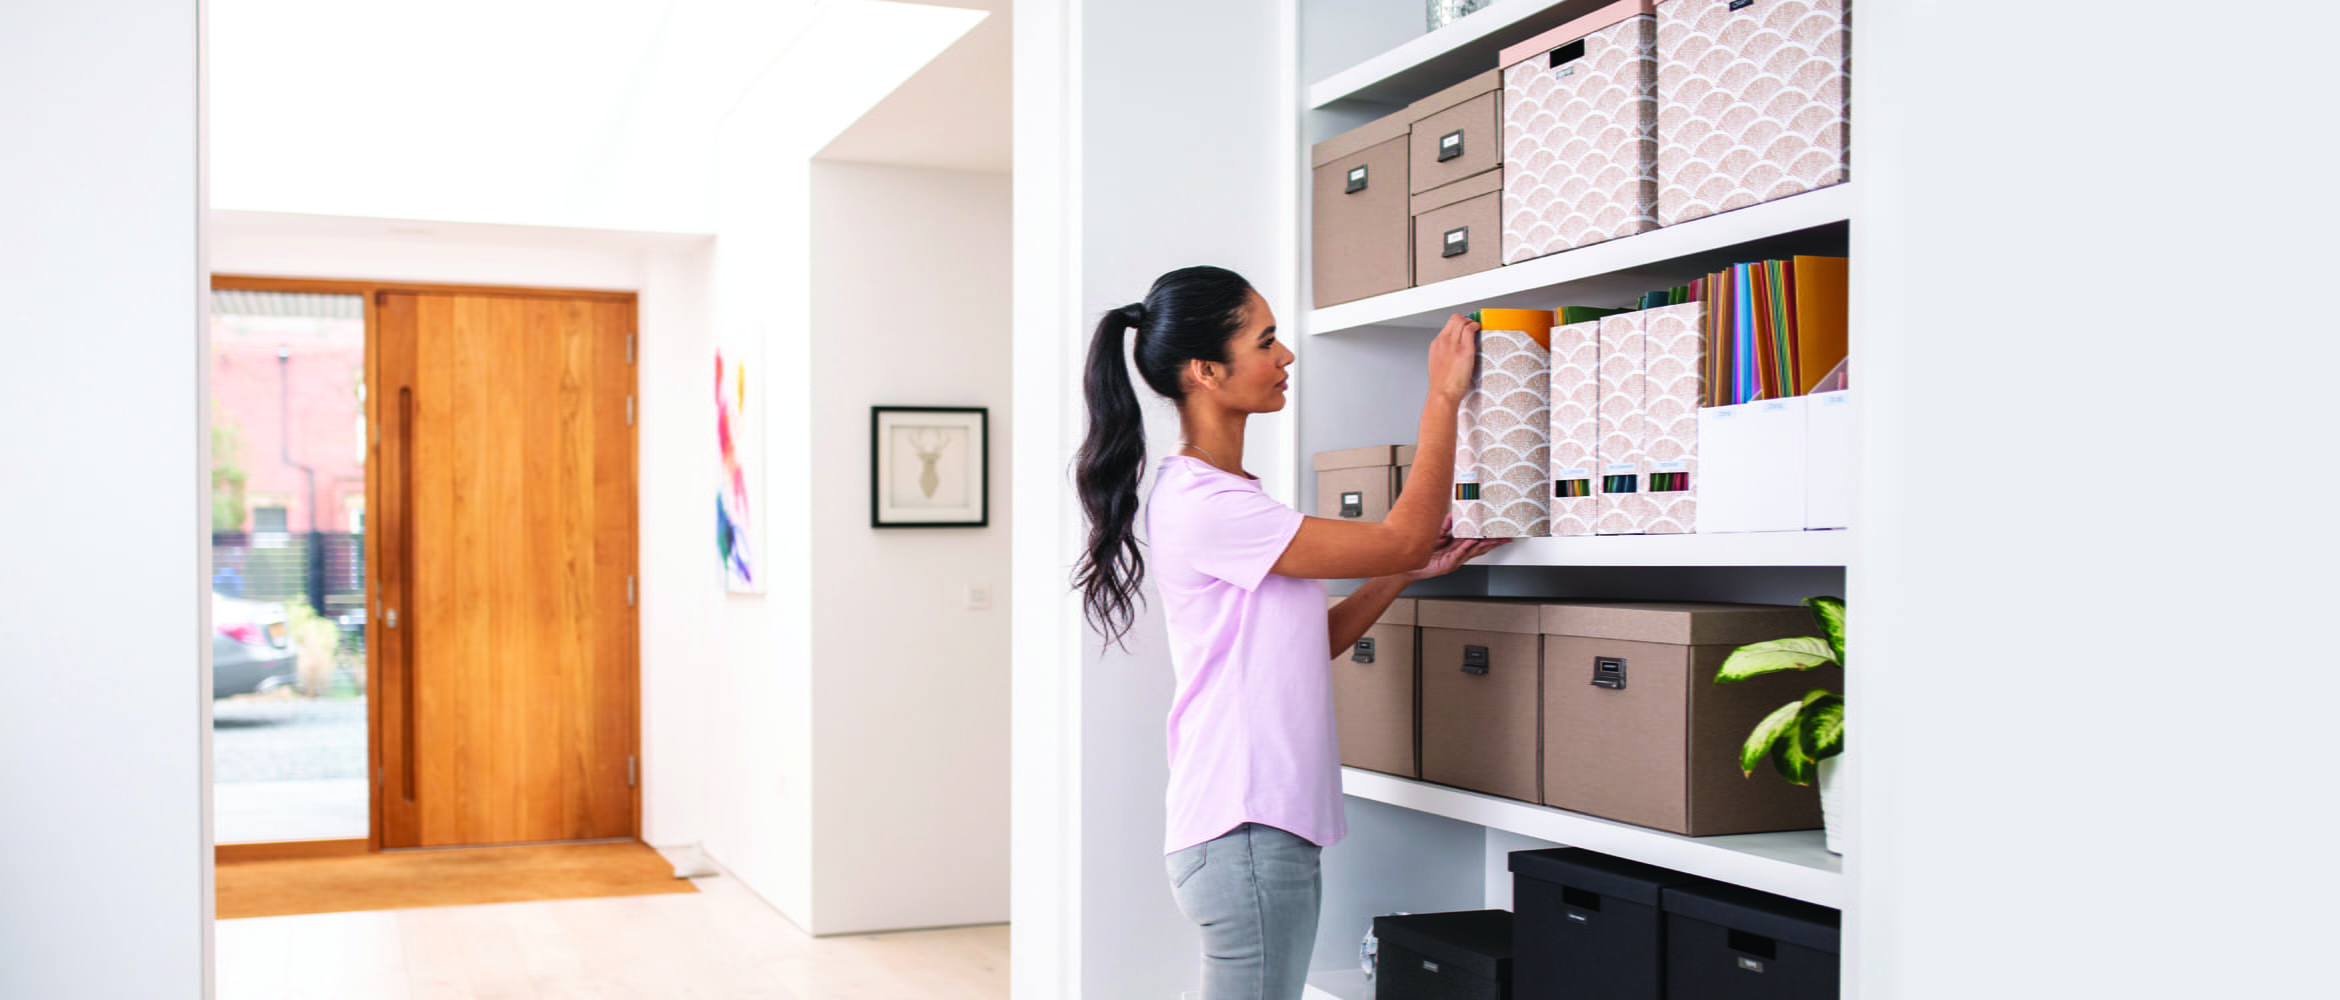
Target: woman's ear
1203,373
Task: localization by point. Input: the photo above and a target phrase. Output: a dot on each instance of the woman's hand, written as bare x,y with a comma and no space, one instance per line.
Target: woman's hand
1454,356
1452,552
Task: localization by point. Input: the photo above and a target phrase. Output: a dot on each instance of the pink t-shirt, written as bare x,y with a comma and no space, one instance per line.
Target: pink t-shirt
1251,731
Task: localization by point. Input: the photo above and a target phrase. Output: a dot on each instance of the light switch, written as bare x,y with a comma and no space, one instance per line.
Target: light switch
978,597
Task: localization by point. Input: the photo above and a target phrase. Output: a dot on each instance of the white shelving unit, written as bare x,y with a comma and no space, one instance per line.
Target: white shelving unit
1361,355
1791,864
1753,548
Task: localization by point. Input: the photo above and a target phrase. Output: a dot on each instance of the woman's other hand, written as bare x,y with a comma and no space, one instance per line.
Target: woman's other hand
1452,552
1454,356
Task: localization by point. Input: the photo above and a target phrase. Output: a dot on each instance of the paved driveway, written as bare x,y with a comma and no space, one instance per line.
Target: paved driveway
288,769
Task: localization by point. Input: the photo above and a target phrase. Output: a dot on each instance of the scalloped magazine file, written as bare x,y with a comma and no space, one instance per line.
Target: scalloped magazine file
1576,427
1503,430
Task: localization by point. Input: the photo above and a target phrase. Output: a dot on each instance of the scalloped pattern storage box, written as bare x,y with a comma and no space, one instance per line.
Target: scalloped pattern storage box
1751,102
1480,681
1580,133
1361,213
1636,729
1374,695
1503,430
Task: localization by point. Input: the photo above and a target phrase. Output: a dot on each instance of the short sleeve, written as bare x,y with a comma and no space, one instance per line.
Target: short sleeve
1235,534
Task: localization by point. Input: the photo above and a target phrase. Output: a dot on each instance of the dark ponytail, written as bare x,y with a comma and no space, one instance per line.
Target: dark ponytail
1188,315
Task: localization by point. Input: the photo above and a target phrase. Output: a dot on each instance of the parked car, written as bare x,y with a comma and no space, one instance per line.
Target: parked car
251,646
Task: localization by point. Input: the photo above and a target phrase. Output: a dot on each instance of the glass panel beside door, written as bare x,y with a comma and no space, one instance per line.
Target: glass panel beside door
288,597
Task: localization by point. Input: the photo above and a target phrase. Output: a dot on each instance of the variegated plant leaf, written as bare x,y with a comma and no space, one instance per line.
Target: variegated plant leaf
1788,757
1830,613
1767,732
1759,658
1822,727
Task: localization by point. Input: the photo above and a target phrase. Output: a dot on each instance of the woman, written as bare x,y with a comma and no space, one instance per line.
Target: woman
1255,786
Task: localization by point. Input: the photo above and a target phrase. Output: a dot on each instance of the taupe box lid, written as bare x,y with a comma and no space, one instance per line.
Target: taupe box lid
1361,138
1401,611
1481,614
1490,80
1679,623
1466,189
1362,458
1405,454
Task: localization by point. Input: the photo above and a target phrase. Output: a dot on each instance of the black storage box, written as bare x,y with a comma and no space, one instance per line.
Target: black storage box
1444,956
1725,941
1586,926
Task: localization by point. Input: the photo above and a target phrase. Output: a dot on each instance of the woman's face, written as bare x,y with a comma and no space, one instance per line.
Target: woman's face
1254,379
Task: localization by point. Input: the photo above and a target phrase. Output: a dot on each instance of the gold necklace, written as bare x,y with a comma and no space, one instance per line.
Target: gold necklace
1206,453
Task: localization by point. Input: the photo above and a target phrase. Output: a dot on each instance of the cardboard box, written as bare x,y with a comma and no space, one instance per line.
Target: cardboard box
1636,729
1374,695
1481,678
1458,229
1720,938
1358,484
1828,460
1580,132
1503,430
1752,459
1751,102
1362,216
1586,924
1456,133
1622,509
1673,384
1576,427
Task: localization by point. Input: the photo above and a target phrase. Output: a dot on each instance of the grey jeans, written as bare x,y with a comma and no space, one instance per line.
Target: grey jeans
1254,891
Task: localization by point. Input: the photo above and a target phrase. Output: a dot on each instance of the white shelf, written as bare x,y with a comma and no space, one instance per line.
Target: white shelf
1439,59
1752,548
1599,273
1792,864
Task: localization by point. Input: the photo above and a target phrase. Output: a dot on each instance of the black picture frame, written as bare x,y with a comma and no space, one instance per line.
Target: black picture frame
913,487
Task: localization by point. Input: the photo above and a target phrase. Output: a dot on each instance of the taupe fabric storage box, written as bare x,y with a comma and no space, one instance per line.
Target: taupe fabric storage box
1358,232
1458,229
1751,102
1359,484
1480,681
1580,133
1373,695
1457,133
1636,729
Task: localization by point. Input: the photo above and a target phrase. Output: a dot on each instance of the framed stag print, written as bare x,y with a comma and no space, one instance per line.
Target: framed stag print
929,467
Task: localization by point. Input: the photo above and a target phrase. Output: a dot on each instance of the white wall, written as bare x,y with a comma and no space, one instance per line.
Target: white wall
104,744
1147,186
2093,720
910,303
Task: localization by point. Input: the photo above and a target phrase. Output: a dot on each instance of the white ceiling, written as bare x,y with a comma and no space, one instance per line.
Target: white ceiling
955,114
598,114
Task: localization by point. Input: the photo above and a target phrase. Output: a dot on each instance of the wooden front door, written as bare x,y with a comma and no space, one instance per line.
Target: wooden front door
506,512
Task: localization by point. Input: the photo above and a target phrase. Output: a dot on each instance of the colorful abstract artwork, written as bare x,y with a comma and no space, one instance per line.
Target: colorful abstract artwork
737,435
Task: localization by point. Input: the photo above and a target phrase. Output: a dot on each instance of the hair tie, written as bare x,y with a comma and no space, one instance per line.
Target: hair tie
1134,314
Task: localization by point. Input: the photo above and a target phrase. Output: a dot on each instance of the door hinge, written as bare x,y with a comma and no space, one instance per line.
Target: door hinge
629,592
629,411
629,348
629,771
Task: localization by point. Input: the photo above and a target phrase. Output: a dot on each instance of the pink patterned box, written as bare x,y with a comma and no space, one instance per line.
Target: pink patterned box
1580,133
1674,384
1751,102
1576,427
1622,507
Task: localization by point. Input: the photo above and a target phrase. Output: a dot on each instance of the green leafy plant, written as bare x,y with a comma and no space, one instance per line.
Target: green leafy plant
1799,735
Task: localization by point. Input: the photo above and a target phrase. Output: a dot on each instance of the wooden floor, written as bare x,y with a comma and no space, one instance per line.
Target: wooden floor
716,944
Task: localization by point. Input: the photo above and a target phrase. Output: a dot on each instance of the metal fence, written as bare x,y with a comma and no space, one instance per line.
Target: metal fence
326,569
